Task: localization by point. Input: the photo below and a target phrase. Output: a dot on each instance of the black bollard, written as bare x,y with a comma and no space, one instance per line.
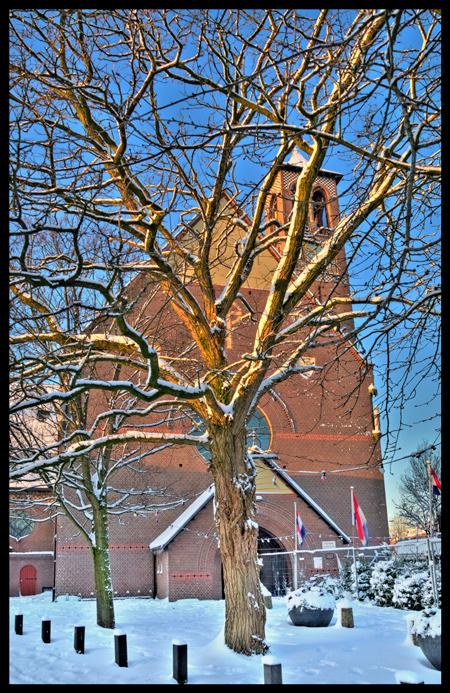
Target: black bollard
18,624
120,647
78,639
272,670
179,650
45,630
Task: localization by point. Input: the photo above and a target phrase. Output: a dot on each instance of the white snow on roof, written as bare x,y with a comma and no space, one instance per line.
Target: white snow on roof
172,530
297,159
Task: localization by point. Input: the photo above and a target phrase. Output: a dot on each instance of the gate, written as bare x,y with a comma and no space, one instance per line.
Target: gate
275,572
27,581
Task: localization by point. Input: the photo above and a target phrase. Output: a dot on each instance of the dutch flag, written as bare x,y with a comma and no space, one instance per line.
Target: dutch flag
300,528
359,519
435,483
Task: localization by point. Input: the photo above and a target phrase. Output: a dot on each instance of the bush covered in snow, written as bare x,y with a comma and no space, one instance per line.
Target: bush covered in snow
325,582
428,623
408,591
390,582
314,598
382,582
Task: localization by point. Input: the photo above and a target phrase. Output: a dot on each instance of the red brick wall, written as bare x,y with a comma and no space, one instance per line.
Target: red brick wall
194,565
36,549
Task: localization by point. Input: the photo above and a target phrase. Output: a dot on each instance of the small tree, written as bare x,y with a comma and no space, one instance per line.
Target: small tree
408,591
398,527
90,486
347,579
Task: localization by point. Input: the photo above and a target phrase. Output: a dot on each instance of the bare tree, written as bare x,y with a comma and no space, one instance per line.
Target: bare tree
147,139
414,504
398,528
87,488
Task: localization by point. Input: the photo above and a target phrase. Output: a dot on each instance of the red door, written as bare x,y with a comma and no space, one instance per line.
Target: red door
28,581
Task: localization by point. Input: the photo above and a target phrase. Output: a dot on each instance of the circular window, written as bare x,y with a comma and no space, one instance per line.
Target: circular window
258,433
20,524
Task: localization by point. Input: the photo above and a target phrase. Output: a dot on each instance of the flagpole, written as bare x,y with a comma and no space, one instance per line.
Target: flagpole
295,550
429,538
354,554
430,498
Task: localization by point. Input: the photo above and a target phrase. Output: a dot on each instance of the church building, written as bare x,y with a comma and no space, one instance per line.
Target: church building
312,438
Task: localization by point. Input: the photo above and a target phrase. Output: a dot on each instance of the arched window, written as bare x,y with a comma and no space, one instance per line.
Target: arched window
20,524
258,430
319,211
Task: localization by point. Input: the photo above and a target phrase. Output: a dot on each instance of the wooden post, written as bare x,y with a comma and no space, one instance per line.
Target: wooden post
78,639
18,624
179,652
347,617
272,670
120,648
411,634
45,630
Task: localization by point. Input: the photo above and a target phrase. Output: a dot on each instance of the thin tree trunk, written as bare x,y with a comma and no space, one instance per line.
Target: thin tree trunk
234,476
102,570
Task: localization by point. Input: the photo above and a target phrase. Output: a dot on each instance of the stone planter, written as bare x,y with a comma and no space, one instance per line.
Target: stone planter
427,628
431,648
313,607
312,618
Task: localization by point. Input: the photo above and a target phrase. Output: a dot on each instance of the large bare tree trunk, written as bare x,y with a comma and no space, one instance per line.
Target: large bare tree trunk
234,476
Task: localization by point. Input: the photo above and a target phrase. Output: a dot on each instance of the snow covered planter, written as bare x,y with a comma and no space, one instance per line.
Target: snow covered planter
312,608
427,628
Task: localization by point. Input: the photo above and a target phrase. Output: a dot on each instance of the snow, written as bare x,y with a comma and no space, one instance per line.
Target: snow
270,660
427,622
372,652
264,591
313,599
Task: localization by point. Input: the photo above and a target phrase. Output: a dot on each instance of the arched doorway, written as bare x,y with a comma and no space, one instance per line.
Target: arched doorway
27,581
276,569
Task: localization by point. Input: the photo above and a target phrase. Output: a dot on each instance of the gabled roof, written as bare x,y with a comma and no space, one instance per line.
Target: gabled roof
307,498
161,541
172,530
297,160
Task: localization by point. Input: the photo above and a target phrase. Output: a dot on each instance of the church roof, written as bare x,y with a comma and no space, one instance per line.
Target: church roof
297,160
161,541
310,501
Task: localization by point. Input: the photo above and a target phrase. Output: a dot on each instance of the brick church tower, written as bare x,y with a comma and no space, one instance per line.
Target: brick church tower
312,437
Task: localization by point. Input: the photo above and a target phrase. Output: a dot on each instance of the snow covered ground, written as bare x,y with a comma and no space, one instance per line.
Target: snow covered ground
370,653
